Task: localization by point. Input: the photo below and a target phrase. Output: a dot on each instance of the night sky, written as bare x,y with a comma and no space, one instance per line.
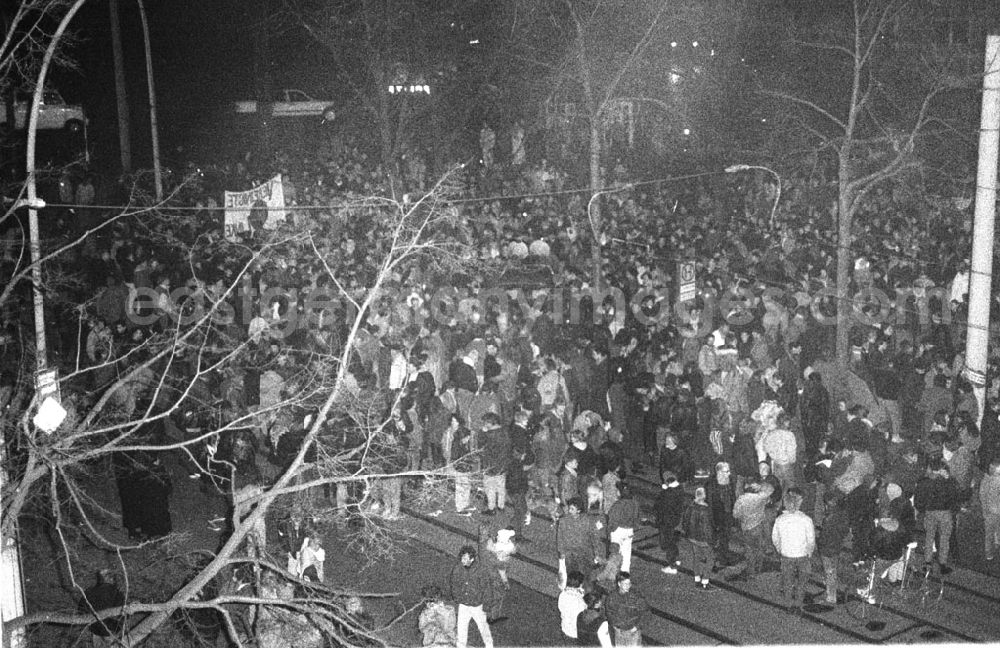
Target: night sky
202,57
204,60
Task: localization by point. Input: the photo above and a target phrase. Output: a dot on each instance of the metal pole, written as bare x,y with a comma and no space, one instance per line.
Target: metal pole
124,118
157,175
981,274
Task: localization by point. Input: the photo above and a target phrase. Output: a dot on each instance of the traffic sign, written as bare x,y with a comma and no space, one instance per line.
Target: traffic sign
687,284
47,383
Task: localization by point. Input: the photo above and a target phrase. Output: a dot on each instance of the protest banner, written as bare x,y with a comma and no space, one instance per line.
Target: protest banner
262,206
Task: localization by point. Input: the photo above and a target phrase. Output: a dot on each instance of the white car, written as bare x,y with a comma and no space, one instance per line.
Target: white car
53,113
292,103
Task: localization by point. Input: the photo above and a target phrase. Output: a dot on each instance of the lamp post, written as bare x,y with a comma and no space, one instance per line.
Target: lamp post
157,174
601,239
736,168
11,585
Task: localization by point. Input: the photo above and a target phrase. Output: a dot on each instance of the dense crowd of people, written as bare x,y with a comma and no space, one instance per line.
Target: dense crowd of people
536,409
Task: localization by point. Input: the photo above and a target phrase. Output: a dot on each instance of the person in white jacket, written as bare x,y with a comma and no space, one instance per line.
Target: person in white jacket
794,537
312,557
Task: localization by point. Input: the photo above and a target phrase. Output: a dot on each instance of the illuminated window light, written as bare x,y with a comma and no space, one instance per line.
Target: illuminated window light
712,53
673,44
694,44
675,78
474,41
687,131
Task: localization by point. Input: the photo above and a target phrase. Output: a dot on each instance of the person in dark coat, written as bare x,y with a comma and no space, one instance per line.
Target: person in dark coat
127,475
592,628
815,409
422,387
721,494
522,461
676,460
669,508
836,526
597,389
938,496
154,487
470,587
437,422
989,433
462,372
698,527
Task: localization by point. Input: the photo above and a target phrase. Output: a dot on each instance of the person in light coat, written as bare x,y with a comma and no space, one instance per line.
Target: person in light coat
794,537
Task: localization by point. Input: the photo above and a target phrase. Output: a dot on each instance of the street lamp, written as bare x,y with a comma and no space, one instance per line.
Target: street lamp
154,128
601,239
736,168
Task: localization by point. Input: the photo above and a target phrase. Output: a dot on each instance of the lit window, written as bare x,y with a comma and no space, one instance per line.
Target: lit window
694,44
687,131
673,44
675,78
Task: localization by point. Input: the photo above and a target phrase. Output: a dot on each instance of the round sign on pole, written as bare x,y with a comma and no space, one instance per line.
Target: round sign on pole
687,272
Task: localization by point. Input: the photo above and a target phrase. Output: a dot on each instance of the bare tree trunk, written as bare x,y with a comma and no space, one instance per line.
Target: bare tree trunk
844,265
594,116
596,186
387,140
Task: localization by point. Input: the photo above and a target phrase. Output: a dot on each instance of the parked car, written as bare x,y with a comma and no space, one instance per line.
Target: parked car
53,113
292,103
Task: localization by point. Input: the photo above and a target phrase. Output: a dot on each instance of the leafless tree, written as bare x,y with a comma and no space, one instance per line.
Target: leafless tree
890,93
109,425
